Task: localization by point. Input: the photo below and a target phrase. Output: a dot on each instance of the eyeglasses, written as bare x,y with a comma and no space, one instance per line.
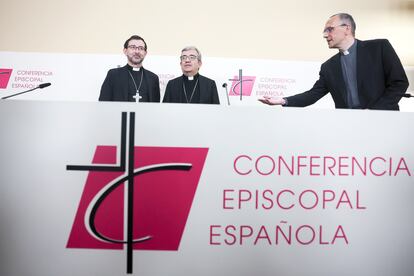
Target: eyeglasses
139,48
190,57
332,28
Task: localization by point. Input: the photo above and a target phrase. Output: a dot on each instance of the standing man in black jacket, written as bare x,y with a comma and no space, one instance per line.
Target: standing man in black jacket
191,87
131,83
363,75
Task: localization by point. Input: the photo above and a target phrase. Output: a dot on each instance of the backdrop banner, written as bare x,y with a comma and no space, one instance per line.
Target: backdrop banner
78,77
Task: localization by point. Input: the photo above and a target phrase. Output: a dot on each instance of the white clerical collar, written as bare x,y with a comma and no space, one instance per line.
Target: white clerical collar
191,78
136,69
350,49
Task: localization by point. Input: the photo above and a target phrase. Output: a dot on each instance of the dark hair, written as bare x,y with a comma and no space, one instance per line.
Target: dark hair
135,37
347,19
188,48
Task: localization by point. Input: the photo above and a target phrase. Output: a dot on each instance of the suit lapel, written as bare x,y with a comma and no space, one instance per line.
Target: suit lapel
360,66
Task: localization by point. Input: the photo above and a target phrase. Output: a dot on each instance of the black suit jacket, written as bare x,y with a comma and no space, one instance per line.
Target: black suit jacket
115,86
381,79
208,91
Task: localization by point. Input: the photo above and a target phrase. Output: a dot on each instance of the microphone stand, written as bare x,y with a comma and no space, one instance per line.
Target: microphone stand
227,93
41,86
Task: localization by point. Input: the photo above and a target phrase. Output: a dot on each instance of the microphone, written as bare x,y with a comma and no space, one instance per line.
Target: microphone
227,93
41,86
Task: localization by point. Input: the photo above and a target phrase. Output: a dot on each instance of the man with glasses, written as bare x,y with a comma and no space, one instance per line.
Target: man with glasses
131,83
363,75
191,87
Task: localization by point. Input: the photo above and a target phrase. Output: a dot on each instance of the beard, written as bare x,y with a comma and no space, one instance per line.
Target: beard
135,59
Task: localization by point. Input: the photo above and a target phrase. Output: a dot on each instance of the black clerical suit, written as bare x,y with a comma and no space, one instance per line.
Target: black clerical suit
119,85
381,79
199,90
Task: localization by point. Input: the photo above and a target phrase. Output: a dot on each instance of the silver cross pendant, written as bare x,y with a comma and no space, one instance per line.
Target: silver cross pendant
137,96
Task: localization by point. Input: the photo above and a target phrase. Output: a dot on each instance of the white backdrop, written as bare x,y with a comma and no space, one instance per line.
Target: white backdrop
78,77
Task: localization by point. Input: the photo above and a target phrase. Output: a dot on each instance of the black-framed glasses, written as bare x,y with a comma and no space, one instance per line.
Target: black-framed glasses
332,28
139,48
190,57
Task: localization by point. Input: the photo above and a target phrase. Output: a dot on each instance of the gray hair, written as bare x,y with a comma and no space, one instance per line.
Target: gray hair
188,48
347,19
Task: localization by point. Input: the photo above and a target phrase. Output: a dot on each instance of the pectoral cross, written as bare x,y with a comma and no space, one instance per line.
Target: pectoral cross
137,96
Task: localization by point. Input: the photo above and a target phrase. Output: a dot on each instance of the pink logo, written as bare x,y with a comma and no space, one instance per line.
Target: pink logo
247,82
5,75
141,204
